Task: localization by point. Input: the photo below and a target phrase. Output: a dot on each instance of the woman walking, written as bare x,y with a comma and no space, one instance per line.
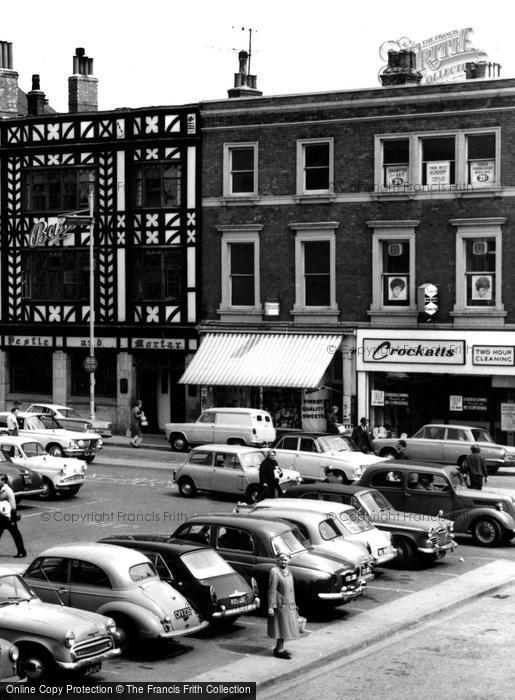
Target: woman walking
283,621
136,416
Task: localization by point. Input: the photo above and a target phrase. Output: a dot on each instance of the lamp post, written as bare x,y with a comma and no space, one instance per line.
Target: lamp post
92,359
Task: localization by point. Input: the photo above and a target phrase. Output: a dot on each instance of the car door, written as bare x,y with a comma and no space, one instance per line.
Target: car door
427,444
236,546
286,450
201,432
390,483
309,461
455,445
89,586
226,474
427,493
198,467
48,578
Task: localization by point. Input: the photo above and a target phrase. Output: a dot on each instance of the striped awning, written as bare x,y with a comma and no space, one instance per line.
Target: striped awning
261,359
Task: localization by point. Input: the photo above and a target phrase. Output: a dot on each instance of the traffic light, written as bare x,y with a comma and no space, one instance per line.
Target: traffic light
427,301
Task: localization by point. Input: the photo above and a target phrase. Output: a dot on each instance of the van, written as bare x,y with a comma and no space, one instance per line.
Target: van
232,426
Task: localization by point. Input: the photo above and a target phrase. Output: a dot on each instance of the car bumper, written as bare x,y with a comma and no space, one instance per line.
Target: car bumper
344,595
31,492
389,554
80,453
90,661
439,549
241,610
63,485
182,633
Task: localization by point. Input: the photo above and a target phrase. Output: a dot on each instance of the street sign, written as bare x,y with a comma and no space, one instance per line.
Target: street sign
90,364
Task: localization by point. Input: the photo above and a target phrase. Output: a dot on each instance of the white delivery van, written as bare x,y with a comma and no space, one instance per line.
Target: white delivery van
232,426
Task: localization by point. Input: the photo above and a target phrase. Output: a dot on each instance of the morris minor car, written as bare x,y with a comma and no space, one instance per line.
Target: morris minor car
70,419
24,482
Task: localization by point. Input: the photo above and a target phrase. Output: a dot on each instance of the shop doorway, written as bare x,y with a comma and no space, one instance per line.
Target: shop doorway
157,386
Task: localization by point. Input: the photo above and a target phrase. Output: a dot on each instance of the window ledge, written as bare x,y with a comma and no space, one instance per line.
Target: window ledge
392,317
243,314
314,315
240,199
480,317
322,198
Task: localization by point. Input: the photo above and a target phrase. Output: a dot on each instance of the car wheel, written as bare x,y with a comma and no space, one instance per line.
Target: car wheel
186,487
49,491
90,459
35,663
70,493
486,532
492,470
178,442
55,450
341,476
234,441
405,551
388,452
253,493
127,632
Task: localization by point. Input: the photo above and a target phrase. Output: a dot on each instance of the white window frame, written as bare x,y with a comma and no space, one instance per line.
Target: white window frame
301,179
314,232
246,233
392,231
227,165
477,228
414,185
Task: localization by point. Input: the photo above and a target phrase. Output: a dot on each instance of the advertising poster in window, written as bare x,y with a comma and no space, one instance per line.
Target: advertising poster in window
314,404
377,398
455,403
482,172
397,288
438,172
395,398
482,287
508,417
396,175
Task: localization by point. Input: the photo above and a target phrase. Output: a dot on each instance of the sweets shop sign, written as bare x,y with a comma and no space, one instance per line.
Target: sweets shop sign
440,58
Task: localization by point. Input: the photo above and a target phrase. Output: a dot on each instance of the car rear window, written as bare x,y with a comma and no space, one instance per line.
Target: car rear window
353,523
140,572
206,564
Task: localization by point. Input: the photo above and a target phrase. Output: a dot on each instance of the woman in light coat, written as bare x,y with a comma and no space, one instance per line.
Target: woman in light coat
283,620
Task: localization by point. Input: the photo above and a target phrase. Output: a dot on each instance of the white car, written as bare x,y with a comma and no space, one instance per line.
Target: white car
70,419
57,441
226,469
61,475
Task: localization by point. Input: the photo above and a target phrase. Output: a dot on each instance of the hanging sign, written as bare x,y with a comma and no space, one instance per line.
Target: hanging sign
56,228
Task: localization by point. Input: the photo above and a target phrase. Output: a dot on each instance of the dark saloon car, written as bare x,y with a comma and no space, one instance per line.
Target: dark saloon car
23,481
198,572
488,515
413,536
251,546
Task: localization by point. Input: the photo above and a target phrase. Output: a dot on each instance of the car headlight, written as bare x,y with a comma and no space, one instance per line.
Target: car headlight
72,445
500,506
167,623
255,586
110,626
100,442
69,639
14,653
81,443
213,595
358,470
450,527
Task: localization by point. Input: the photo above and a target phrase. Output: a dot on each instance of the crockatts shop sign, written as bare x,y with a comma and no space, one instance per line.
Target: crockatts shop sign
428,352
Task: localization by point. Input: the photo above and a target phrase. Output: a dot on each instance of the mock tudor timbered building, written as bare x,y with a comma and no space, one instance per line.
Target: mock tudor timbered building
141,167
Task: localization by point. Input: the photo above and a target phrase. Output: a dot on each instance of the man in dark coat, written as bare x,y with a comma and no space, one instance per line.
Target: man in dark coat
361,437
267,476
475,467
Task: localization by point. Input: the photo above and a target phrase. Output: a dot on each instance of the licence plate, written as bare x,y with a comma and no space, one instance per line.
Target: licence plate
94,668
27,479
183,613
240,600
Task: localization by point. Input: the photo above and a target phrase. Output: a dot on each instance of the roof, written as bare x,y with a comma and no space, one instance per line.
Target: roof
405,464
453,425
304,504
324,487
108,554
230,409
274,526
261,359
307,516
229,449
172,545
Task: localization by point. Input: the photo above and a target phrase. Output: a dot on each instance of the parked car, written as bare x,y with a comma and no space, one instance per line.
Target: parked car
50,637
311,453
230,469
70,419
114,581
324,534
413,536
23,481
448,444
430,489
9,655
214,588
251,546
346,522
57,441
231,426
61,475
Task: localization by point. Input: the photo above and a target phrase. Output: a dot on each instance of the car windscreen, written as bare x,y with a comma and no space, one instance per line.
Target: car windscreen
13,589
374,501
481,435
289,542
328,529
140,572
336,443
35,423
252,459
206,563
33,449
353,523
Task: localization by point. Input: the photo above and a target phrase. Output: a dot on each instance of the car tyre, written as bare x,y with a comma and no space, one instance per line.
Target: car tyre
178,442
49,491
487,532
405,551
341,476
127,630
70,493
235,441
89,459
388,452
492,470
55,450
253,493
35,663
186,487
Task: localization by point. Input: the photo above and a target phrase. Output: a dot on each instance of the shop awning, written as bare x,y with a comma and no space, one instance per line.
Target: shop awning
261,359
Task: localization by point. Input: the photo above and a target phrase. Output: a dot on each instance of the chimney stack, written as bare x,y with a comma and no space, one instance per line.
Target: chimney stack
401,69
482,70
36,100
244,84
8,82
82,86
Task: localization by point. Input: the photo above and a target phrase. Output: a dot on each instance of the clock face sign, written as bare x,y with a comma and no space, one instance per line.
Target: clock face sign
90,364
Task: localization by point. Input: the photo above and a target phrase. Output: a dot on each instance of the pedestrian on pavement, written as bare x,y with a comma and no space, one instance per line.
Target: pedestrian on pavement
333,422
12,421
474,467
283,618
136,417
268,481
361,437
9,516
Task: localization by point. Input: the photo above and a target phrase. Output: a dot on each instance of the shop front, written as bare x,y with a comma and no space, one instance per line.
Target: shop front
296,377
409,378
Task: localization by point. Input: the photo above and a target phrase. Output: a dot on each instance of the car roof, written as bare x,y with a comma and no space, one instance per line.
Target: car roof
409,464
18,439
302,504
273,526
49,405
174,544
308,516
323,487
310,434
229,449
453,425
234,410
107,555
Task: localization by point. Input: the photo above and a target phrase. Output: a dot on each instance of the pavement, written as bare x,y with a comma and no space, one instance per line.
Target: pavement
154,441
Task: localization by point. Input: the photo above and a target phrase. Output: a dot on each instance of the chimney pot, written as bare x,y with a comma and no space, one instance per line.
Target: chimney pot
35,82
401,69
